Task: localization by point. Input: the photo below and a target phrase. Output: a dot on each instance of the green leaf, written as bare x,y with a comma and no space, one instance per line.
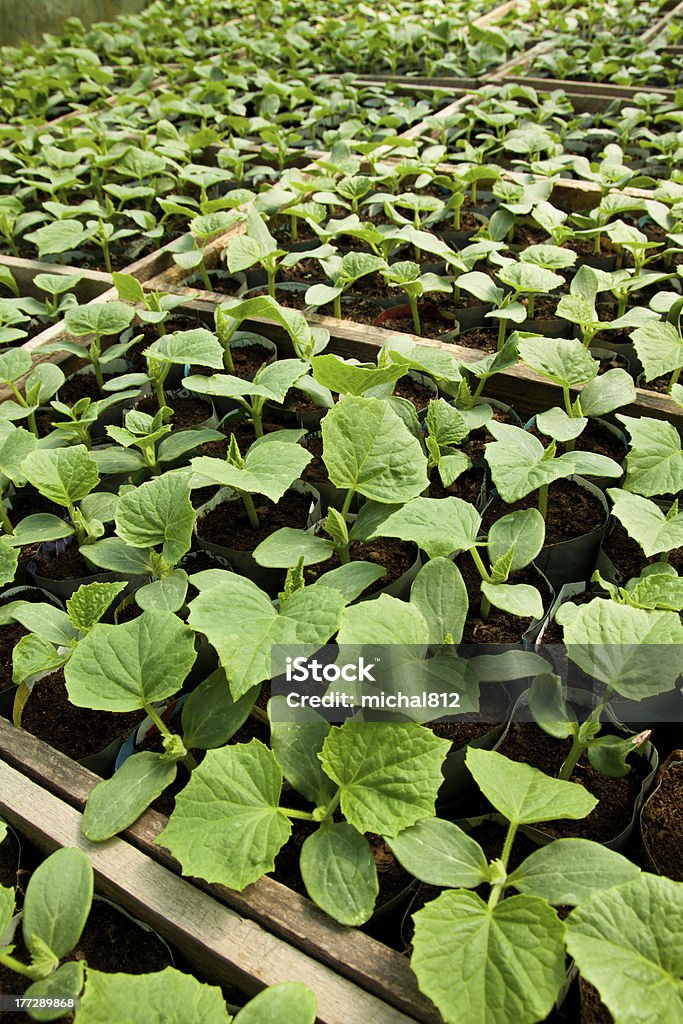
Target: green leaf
232,801
59,236
14,364
524,795
501,964
660,348
339,872
33,655
625,942
563,360
297,737
349,379
567,871
65,983
272,382
6,908
63,475
609,754
167,594
158,512
9,561
521,532
388,773
39,527
607,392
197,346
351,579
632,650
549,708
440,594
367,448
439,526
164,997
655,462
556,423
386,620
439,853
240,622
57,902
102,318
287,1003
517,462
129,666
16,444
528,278
645,522
89,603
268,469
113,554
128,287
210,716
516,598
117,802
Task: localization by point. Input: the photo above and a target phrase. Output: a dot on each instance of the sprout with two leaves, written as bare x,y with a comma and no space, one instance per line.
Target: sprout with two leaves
39,386
407,276
344,272
156,306
101,320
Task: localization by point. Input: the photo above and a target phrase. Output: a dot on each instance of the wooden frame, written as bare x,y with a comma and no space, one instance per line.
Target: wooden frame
93,284
42,792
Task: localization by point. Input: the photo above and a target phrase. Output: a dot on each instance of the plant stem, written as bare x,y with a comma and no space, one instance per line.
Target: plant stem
347,503
271,281
501,334
159,392
14,965
303,815
416,316
204,275
158,721
5,519
251,510
498,888
674,378
337,311
573,756
479,564
531,306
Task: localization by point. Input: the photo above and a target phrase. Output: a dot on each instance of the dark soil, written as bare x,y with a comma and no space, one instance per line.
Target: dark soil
596,438
628,557
11,634
316,471
483,338
662,822
10,852
110,942
475,444
396,556
415,392
499,627
593,1010
526,743
662,385
66,564
228,525
468,486
82,385
187,412
78,732
247,360
572,511
554,632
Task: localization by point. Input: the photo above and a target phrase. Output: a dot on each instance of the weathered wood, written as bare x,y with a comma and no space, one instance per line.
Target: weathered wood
92,285
661,23
572,86
367,962
217,941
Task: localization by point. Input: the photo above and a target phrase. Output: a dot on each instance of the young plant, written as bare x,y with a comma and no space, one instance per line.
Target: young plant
344,272
143,445
655,531
579,306
80,418
270,467
553,713
189,251
659,345
406,276
258,246
60,297
566,362
654,464
520,464
39,385
101,320
12,312
307,341
156,305
566,872
56,906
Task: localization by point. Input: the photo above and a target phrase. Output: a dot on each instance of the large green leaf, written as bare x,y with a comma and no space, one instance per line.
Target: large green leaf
627,942
286,546
132,665
117,802
240,621
9,561
340,873
232,803
521,532
16,444
439,526
57,902
297,737
268,469
563,360
63,475
440,594
64,983
524,794
389,773
165,997
287,1003
158,512
272,382
660,348
480,964
567,871
367,448
197,346
634,650
210,716
350,379
607,392
98,317
517,463
386,620
655,462
439,853
646,523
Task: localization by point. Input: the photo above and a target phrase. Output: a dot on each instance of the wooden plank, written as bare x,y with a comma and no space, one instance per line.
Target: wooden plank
92,285
661,24
216,940
571,86
367,962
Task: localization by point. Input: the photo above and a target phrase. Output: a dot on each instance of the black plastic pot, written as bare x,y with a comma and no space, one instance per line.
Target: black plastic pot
63,589
573,560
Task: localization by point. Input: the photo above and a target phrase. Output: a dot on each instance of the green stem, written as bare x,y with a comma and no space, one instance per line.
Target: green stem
531,306
543,500
501,334
204,275
17,394
159,392
14,965
347,503
416,316
674,378
5,520
303,815
271,271
480,387
498,888
326,812
337,311
573,756
251,509
158,721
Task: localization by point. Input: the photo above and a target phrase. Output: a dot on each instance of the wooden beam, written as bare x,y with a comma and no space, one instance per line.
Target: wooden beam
365,961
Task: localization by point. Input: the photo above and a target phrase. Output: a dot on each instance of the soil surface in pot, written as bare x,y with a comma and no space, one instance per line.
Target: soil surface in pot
499,627
572,511
594,438
413,391
662,385
662,822
78,732
11,634
110,942
396,556
316,470
66,564
593,1010
228,525
554,632
526,743
483,338
468,486
82,385
187,412
475,445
